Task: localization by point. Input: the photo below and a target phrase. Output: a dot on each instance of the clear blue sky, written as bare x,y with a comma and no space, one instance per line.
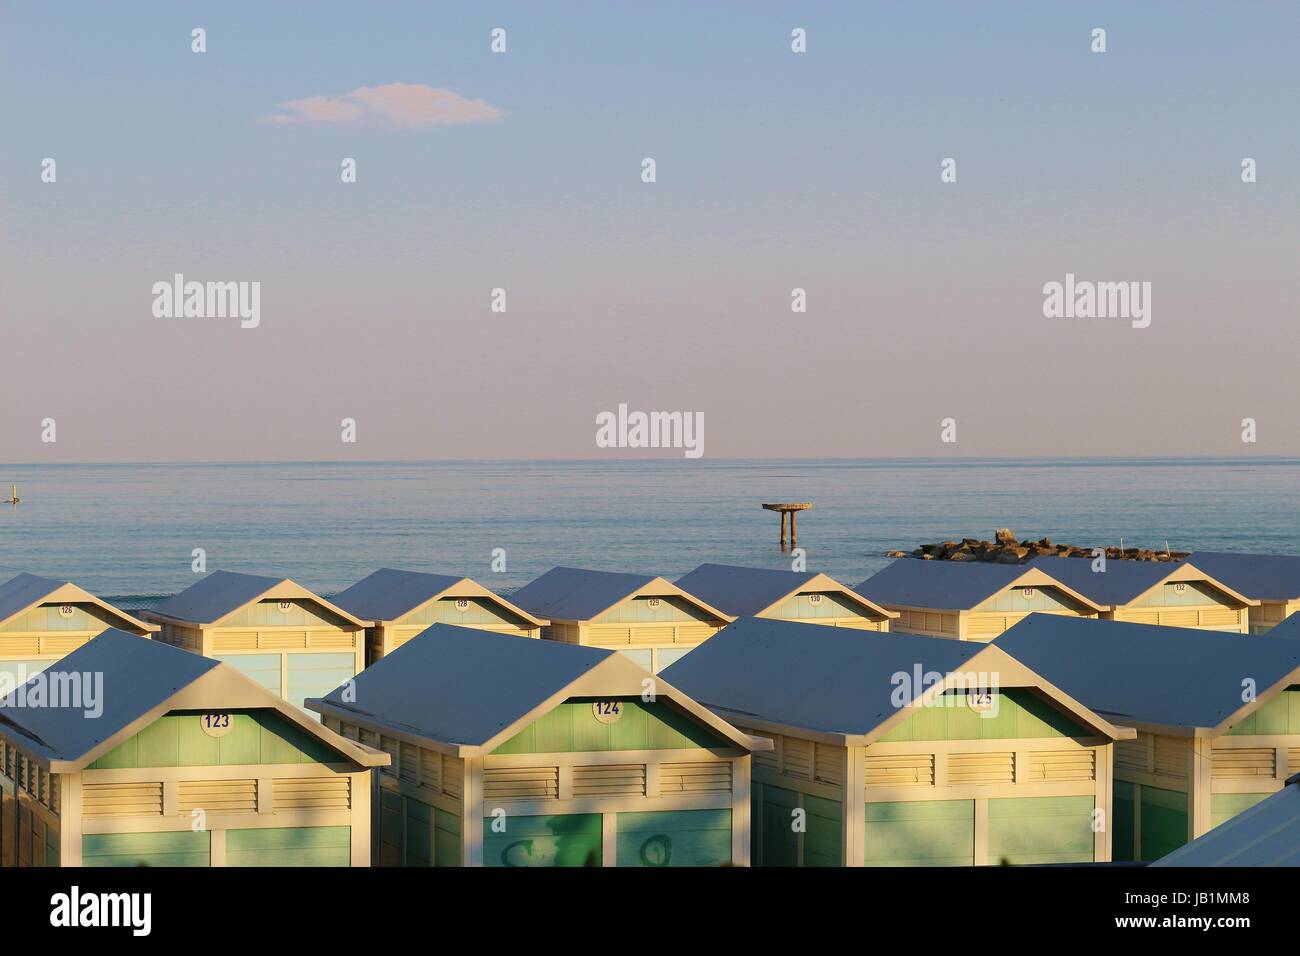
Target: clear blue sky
775,170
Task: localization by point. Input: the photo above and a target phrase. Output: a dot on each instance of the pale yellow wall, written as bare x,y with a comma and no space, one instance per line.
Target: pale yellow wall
1210,617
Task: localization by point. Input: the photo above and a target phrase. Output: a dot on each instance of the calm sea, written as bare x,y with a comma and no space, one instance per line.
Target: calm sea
128,531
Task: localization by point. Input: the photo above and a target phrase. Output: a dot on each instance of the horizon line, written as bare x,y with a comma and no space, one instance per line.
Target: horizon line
665,459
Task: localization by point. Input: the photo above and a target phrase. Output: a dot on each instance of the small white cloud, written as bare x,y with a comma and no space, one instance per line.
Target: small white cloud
405,105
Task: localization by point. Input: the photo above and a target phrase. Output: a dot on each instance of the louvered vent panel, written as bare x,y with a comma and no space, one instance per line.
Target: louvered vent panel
332,640
61,645
312,793
1133,755
994,767
604,635
694,633
609,780
121,799
410,765
828,764
1170,757
430,770
899,770
521,783
1188,618
796,758
768,759
236,641
389,746
1059,765
1293,759
712,776
1243,762
452,784
281,640
652,634
987,624
1219,616
217,796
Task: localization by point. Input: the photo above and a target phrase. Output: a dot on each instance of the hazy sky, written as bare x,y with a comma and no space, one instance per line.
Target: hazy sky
522,170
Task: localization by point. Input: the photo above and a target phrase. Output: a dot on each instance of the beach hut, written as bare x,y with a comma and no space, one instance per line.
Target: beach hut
969,600
1271,579
42,619
397,605
1217,715
141,754
649,619
1268,834
508,752
289,640
1171,593
901,750
784,595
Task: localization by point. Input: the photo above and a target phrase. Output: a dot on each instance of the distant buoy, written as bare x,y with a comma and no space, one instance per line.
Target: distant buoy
13,498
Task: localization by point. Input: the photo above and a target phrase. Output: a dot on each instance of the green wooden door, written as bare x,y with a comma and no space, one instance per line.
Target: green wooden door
674,838
289,846
1163,822
920,833
562,840
176,848
432,835
1024,830
780,841
823,836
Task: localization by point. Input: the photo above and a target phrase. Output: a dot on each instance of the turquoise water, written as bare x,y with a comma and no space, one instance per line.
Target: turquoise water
124,531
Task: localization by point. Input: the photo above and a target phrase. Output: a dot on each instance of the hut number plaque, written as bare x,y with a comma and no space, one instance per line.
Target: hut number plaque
607,711
217,723
979,700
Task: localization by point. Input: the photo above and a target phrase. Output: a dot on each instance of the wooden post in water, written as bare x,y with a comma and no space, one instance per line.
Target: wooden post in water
788,508
13,497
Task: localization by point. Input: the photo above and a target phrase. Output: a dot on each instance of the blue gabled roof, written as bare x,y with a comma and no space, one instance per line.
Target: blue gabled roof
949,585
388,594
1172,676
1261,577
459,685
1121,582
215,596
810,676
742,592
24,590
137,675
576,594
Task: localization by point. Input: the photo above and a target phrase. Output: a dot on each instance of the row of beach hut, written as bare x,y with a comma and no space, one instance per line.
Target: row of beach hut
774,742
300,644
